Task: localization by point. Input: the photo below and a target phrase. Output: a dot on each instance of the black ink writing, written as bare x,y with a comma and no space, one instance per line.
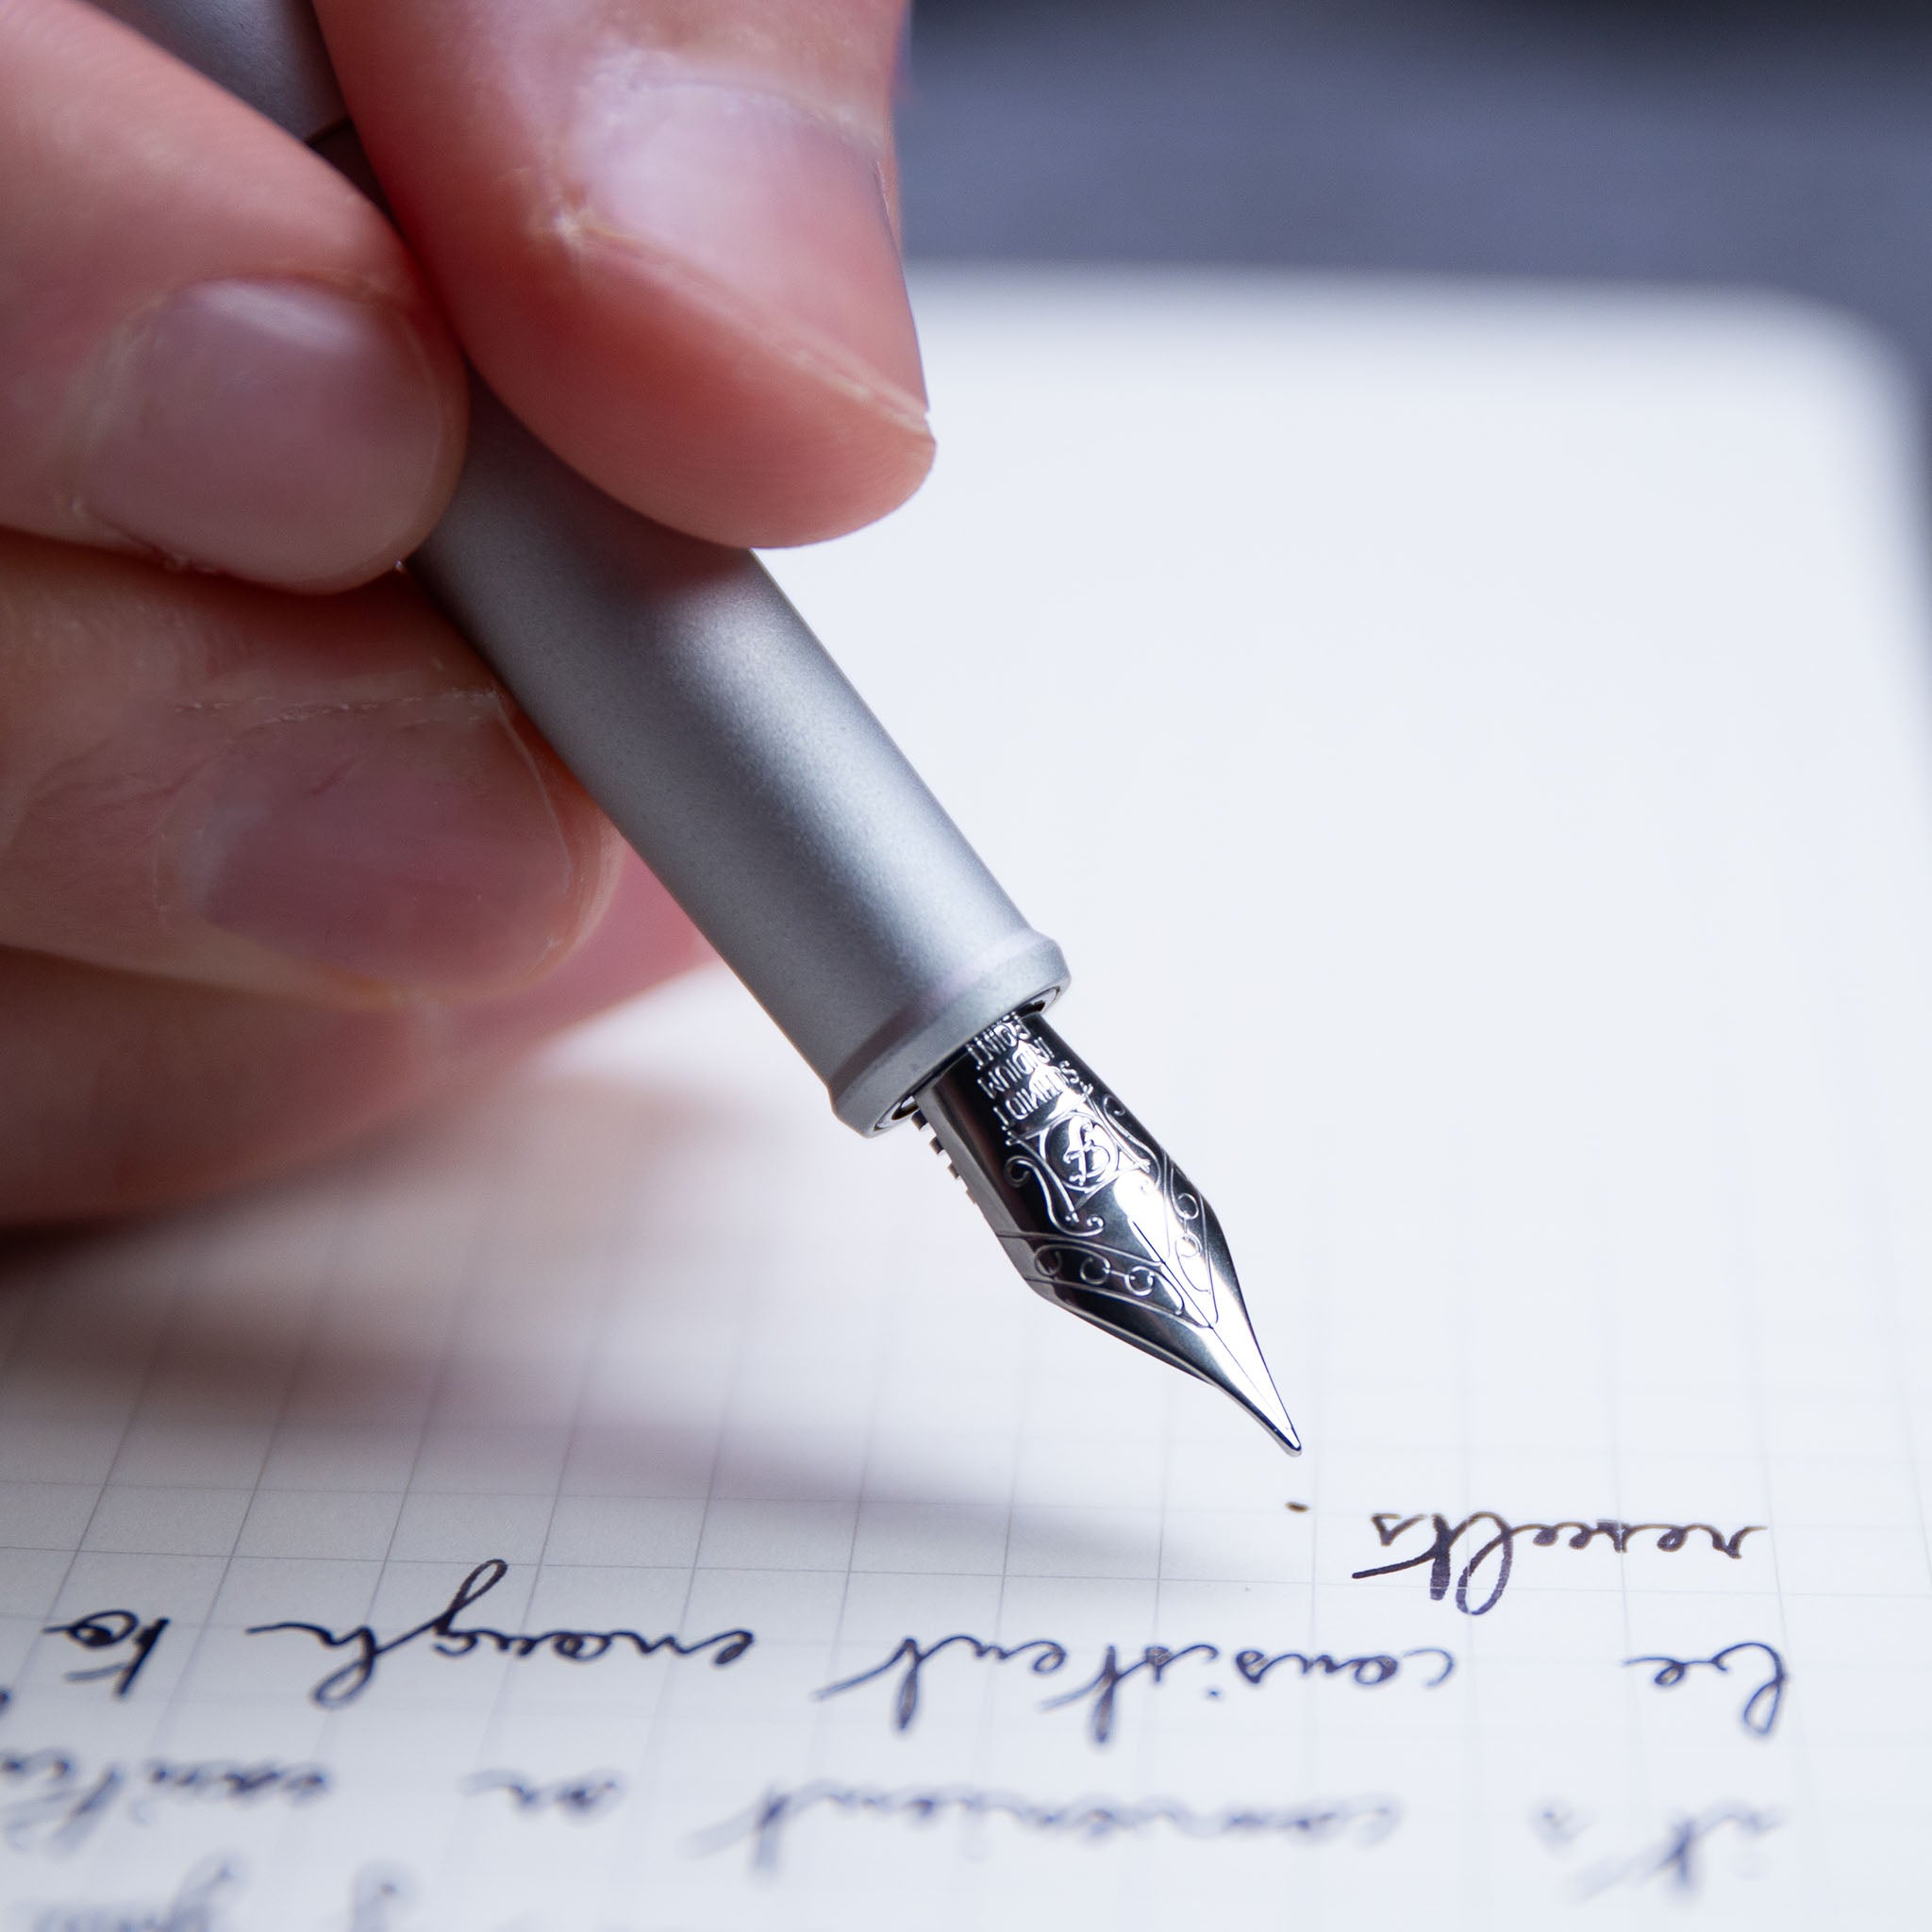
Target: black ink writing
366,1649
1368,1672
1103,1687
1759,1713
1500,1545
1100,1693
1558,1826
1680,1856
373,1892
1044,1658
1091,1820
52,1801
193,1908
581,1797
109,1630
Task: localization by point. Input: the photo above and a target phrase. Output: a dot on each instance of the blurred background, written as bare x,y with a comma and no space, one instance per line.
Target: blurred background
1782,143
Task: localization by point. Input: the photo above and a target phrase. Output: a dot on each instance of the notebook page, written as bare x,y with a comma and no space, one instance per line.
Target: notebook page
1473,749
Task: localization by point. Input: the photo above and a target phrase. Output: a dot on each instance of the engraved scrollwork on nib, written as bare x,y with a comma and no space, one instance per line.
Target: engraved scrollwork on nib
1093,1211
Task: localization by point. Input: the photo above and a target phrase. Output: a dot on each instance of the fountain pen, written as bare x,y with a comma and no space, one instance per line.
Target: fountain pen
694,706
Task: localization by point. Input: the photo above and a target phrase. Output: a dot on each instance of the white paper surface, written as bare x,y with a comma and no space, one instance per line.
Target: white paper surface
1474,751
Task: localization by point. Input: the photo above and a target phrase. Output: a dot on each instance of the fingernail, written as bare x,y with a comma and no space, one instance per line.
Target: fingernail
773,212
411,842
276,430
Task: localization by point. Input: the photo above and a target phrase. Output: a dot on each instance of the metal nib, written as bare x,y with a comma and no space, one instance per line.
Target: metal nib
1091,1210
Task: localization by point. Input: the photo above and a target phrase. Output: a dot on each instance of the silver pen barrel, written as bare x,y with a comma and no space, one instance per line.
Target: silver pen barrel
678,684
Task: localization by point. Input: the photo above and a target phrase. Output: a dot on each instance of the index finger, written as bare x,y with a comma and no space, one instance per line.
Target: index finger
666,234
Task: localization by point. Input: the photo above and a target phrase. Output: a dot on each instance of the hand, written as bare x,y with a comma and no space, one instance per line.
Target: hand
275,864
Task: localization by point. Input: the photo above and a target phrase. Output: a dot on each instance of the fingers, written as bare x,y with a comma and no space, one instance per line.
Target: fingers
664,233
125,1093
211,347
317,798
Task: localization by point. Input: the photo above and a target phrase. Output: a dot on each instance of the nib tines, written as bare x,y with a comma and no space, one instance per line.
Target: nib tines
1091,1210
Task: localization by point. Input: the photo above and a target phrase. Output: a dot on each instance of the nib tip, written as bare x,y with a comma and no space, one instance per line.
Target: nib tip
1275,1419
1234,1366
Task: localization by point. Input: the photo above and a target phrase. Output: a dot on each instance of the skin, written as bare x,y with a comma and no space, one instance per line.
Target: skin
278,859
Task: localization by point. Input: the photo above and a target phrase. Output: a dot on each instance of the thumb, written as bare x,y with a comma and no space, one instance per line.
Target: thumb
665,231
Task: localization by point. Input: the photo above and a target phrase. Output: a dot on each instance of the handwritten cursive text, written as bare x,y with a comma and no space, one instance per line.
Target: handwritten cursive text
366,1649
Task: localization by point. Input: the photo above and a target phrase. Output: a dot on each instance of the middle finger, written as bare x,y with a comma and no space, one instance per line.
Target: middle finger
323,797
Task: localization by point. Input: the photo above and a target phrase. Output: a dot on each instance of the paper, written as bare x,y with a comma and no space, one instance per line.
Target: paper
1474,751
